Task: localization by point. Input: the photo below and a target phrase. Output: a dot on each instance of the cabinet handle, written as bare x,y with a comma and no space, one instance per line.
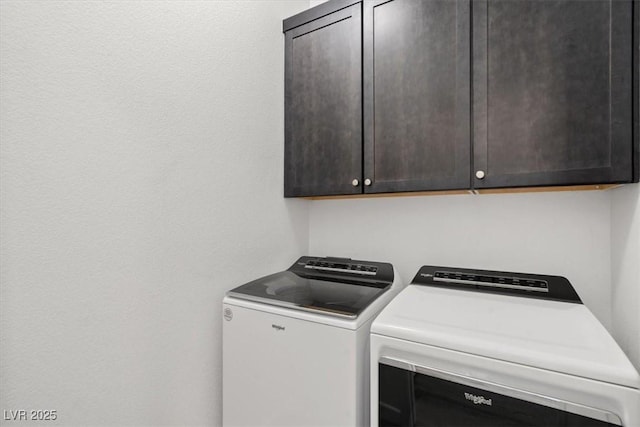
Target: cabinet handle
355,182
480,174
367,182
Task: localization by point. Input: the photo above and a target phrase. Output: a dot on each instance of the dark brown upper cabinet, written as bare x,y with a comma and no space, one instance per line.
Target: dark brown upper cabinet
416,95
419,95
552,91
323,103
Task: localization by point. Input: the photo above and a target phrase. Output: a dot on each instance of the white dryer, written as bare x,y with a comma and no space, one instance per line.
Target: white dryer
296,343
462,347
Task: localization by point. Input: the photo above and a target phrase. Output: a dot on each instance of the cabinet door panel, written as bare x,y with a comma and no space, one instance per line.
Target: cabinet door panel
417,94
552,92
323,105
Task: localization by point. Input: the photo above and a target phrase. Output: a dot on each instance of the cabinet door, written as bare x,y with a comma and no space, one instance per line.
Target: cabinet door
323,105
416,95
552,92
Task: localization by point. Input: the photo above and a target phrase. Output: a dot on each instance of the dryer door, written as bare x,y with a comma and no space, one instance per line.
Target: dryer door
412,395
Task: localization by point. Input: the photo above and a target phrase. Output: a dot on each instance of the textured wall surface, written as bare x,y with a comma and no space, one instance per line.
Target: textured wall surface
141,163
564,233
625,269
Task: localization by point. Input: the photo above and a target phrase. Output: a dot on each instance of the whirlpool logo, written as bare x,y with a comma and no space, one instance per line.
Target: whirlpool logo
478,400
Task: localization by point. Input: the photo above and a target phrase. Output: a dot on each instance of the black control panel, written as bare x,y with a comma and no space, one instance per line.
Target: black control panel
497,281
345,269
522,284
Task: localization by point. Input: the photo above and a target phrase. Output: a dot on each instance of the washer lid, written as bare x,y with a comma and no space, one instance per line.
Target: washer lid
292,290
546,334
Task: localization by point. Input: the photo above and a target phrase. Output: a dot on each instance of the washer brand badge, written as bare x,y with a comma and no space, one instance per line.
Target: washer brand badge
228,314
478,400
278,327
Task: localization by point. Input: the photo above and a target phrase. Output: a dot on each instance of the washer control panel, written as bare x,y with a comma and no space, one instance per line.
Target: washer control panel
369,273
342,267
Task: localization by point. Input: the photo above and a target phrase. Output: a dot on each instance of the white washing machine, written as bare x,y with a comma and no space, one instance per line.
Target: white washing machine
296,343
460,347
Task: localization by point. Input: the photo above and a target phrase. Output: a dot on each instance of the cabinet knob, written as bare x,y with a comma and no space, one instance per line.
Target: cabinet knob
480,174
355,182
367,182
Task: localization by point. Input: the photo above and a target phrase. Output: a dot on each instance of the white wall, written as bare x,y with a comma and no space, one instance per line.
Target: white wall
564,233
141,163
625,269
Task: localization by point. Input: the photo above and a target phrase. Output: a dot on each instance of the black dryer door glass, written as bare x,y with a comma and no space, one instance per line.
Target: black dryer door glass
435,402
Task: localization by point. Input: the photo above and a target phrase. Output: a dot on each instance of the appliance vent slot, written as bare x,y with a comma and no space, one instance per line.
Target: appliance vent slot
506,282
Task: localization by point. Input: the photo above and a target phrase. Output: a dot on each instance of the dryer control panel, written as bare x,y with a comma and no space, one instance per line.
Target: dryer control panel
522,284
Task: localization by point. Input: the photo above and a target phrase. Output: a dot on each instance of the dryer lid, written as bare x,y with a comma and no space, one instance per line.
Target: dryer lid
547,334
